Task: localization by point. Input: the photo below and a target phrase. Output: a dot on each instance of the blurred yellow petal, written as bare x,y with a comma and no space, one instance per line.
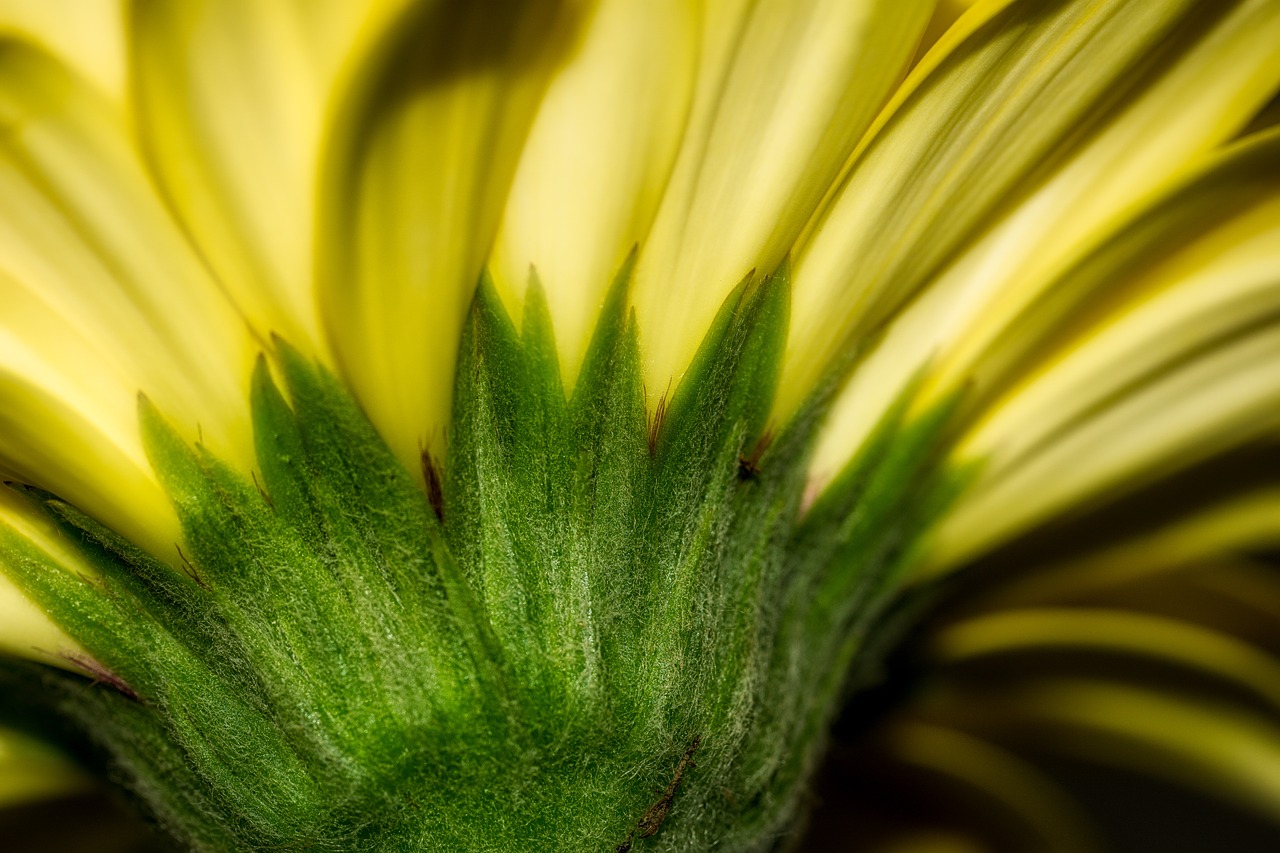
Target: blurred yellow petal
1267,118
105,300
88,36
784,93
931,842
1248,521
1046,817
591,175
1025,135
1217,749
30,770
1255,587
421,153
230,100
1113,631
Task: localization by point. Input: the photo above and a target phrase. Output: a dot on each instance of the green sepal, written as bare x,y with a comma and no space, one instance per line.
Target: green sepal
597,627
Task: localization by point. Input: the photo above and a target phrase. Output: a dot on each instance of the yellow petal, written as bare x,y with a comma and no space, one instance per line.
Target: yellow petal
1217,402
422,151
88,36
597,161
25,630
1025,136
1253,586
31,771
1157,638
230,96
785,90
1244,522
103,299
945,14
1210,237
1266,118
1205,745
1170,366
1048,820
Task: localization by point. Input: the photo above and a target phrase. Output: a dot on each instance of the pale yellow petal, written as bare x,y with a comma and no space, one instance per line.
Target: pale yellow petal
86,34
421,155
1215,232
597,161
1025,137
1169,311
945,15
230,96
104,299
785,91
1217,401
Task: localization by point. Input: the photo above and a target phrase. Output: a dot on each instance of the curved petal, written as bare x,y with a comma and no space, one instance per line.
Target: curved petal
1167,365
1208,746
422,149
1214,403
597,160
1029,132
230,96
103,299
1050,821
1113,632
31,771
1246,521
785,90
87,36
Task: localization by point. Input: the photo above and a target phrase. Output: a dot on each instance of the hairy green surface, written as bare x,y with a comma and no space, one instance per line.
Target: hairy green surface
597,629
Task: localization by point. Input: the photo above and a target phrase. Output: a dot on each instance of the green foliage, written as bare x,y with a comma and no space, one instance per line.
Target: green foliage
605,624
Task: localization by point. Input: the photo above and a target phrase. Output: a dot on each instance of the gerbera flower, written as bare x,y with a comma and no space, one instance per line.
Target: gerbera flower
514,425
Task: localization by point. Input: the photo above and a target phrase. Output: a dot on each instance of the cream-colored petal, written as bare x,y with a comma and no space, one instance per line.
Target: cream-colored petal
26,631
72,432
1023,138
1238,289
597,161
230,97
422,152
785,90
88,35
104,299
1221,221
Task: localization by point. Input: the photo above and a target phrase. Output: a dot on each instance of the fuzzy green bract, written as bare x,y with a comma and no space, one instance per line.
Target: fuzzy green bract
598,629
